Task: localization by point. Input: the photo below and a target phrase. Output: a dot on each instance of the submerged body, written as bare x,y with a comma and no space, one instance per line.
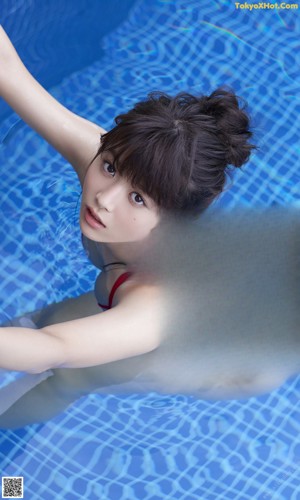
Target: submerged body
233,328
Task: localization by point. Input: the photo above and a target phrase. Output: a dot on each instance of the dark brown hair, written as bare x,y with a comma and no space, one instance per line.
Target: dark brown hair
177,149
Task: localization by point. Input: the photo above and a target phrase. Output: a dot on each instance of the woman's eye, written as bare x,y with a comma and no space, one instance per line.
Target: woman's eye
109,168
137,199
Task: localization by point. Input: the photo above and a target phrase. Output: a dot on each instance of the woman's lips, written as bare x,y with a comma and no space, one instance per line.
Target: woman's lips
92,218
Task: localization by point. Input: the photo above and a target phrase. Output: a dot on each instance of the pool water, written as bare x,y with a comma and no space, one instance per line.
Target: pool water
153,447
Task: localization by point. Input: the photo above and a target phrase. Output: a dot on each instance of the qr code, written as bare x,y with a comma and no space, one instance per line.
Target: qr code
12,487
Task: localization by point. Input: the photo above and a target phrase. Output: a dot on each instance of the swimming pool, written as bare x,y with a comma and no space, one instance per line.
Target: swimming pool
154,447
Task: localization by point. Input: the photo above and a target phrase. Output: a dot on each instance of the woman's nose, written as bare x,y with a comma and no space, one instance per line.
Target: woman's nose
110,196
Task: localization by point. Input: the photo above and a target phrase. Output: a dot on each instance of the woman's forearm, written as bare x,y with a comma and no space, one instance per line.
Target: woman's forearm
29,350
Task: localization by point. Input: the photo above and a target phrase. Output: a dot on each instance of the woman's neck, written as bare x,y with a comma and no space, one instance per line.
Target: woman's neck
113,266
124,253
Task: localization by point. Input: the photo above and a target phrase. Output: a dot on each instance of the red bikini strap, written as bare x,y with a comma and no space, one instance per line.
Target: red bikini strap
121,279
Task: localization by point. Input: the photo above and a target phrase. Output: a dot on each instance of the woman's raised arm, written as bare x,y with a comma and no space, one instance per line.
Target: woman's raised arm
76,138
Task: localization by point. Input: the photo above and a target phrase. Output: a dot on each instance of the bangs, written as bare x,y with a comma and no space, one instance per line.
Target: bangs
176,150
154,161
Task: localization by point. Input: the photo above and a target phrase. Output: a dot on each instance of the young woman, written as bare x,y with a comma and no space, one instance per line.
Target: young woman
168,155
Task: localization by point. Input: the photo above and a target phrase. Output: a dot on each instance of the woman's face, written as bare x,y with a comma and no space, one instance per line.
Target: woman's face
111,210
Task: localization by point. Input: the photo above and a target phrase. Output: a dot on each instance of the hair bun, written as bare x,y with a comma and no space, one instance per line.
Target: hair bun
232,124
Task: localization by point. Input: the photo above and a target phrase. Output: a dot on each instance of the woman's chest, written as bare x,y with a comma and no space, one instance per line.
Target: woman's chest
101,289
108,281
107,285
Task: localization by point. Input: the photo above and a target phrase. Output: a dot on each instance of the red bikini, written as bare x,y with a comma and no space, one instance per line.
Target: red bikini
121,279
